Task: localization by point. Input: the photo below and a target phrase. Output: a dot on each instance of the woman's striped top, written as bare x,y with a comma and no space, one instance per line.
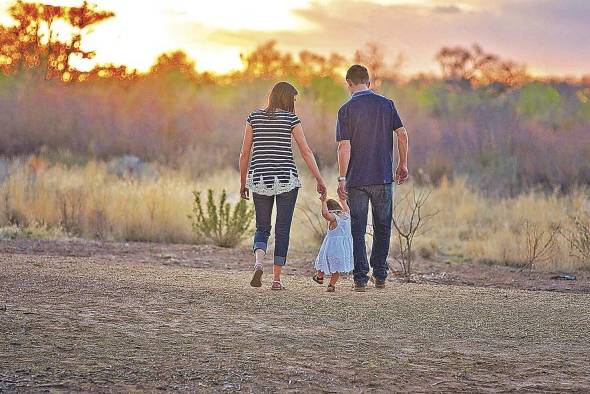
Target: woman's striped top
272,168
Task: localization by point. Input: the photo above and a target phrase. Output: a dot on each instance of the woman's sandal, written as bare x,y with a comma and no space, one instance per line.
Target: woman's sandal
331,288
318,280
276,285
257,277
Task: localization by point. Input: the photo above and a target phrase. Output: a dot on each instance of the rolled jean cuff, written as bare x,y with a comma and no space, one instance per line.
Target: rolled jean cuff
280,260
259,245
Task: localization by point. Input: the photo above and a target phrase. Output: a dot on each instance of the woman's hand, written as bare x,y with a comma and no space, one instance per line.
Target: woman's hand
321,188
244,192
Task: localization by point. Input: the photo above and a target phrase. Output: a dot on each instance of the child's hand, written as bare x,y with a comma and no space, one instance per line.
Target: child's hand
323,197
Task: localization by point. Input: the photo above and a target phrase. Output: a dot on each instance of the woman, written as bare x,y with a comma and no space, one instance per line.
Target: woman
270,174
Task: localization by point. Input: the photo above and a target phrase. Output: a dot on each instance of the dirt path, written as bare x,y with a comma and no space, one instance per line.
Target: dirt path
119,324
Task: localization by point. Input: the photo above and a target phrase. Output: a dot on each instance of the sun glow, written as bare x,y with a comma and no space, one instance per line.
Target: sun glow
142,30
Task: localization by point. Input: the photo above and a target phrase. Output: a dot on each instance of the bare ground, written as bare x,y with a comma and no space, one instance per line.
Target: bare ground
80,316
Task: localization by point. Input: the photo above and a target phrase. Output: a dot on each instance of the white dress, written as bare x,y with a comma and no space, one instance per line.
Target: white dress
335,254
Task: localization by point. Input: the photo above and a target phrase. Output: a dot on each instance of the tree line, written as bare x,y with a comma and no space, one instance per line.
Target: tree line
484,117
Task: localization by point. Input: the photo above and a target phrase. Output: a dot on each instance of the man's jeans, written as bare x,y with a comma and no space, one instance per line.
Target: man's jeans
285,208
381,198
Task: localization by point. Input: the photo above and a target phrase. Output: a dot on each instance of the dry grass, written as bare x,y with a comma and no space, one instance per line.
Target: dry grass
471,226
91,202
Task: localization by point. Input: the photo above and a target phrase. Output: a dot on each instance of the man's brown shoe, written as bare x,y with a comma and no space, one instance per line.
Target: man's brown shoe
379,284
360,286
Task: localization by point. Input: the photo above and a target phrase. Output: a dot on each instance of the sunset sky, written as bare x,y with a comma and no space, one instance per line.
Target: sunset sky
550,36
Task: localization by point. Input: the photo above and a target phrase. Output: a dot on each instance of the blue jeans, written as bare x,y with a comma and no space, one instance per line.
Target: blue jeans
381,198
285,207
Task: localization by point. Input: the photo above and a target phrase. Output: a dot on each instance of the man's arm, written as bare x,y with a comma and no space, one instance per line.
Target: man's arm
343,161
401,172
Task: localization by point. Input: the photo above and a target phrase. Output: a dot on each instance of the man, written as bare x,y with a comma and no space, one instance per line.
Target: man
364,131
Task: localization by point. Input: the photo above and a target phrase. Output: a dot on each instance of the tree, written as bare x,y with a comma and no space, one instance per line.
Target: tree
32,44
312,65
177,62
266,61
373,57
479,68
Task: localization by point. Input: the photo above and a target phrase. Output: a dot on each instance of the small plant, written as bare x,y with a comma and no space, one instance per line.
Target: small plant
540,244
579,238
221,223
409,221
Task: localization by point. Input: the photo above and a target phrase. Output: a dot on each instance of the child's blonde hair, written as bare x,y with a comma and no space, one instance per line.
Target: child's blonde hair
333,205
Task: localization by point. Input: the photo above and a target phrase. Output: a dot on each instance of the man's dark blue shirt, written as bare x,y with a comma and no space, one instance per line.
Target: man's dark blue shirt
368,120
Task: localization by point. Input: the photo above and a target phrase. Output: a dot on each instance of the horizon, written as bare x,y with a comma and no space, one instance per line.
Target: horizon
215,35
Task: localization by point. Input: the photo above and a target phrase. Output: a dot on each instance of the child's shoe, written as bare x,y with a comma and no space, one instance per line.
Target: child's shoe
317,279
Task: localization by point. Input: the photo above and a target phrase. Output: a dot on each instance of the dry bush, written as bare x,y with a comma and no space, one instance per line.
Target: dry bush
71,205
410,220
540,243
578,237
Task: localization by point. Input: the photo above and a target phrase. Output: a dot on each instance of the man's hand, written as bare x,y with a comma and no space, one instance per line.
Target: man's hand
342,192
244,192
401,173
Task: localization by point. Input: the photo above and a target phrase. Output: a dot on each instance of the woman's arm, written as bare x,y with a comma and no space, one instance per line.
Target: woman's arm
245,160
309,158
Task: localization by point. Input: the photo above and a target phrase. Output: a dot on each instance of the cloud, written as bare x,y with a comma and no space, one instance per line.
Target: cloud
548,35
447,9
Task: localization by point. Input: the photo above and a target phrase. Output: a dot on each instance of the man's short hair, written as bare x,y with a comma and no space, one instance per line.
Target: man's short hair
357,74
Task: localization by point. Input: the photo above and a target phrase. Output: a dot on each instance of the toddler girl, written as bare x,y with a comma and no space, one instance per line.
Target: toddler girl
335,255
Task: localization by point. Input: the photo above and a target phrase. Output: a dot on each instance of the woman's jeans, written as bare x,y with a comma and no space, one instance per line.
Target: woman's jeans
285,208
381,198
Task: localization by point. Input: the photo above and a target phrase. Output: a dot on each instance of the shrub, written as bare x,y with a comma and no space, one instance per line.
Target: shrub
579,238
409,221
221,223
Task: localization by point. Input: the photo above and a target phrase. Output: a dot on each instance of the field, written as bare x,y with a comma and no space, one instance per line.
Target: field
92,201
143,317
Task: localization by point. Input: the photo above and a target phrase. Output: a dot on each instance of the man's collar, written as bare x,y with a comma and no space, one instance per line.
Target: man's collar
362,92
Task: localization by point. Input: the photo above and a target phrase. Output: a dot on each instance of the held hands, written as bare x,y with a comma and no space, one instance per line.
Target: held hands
322,189
342,192
401,174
